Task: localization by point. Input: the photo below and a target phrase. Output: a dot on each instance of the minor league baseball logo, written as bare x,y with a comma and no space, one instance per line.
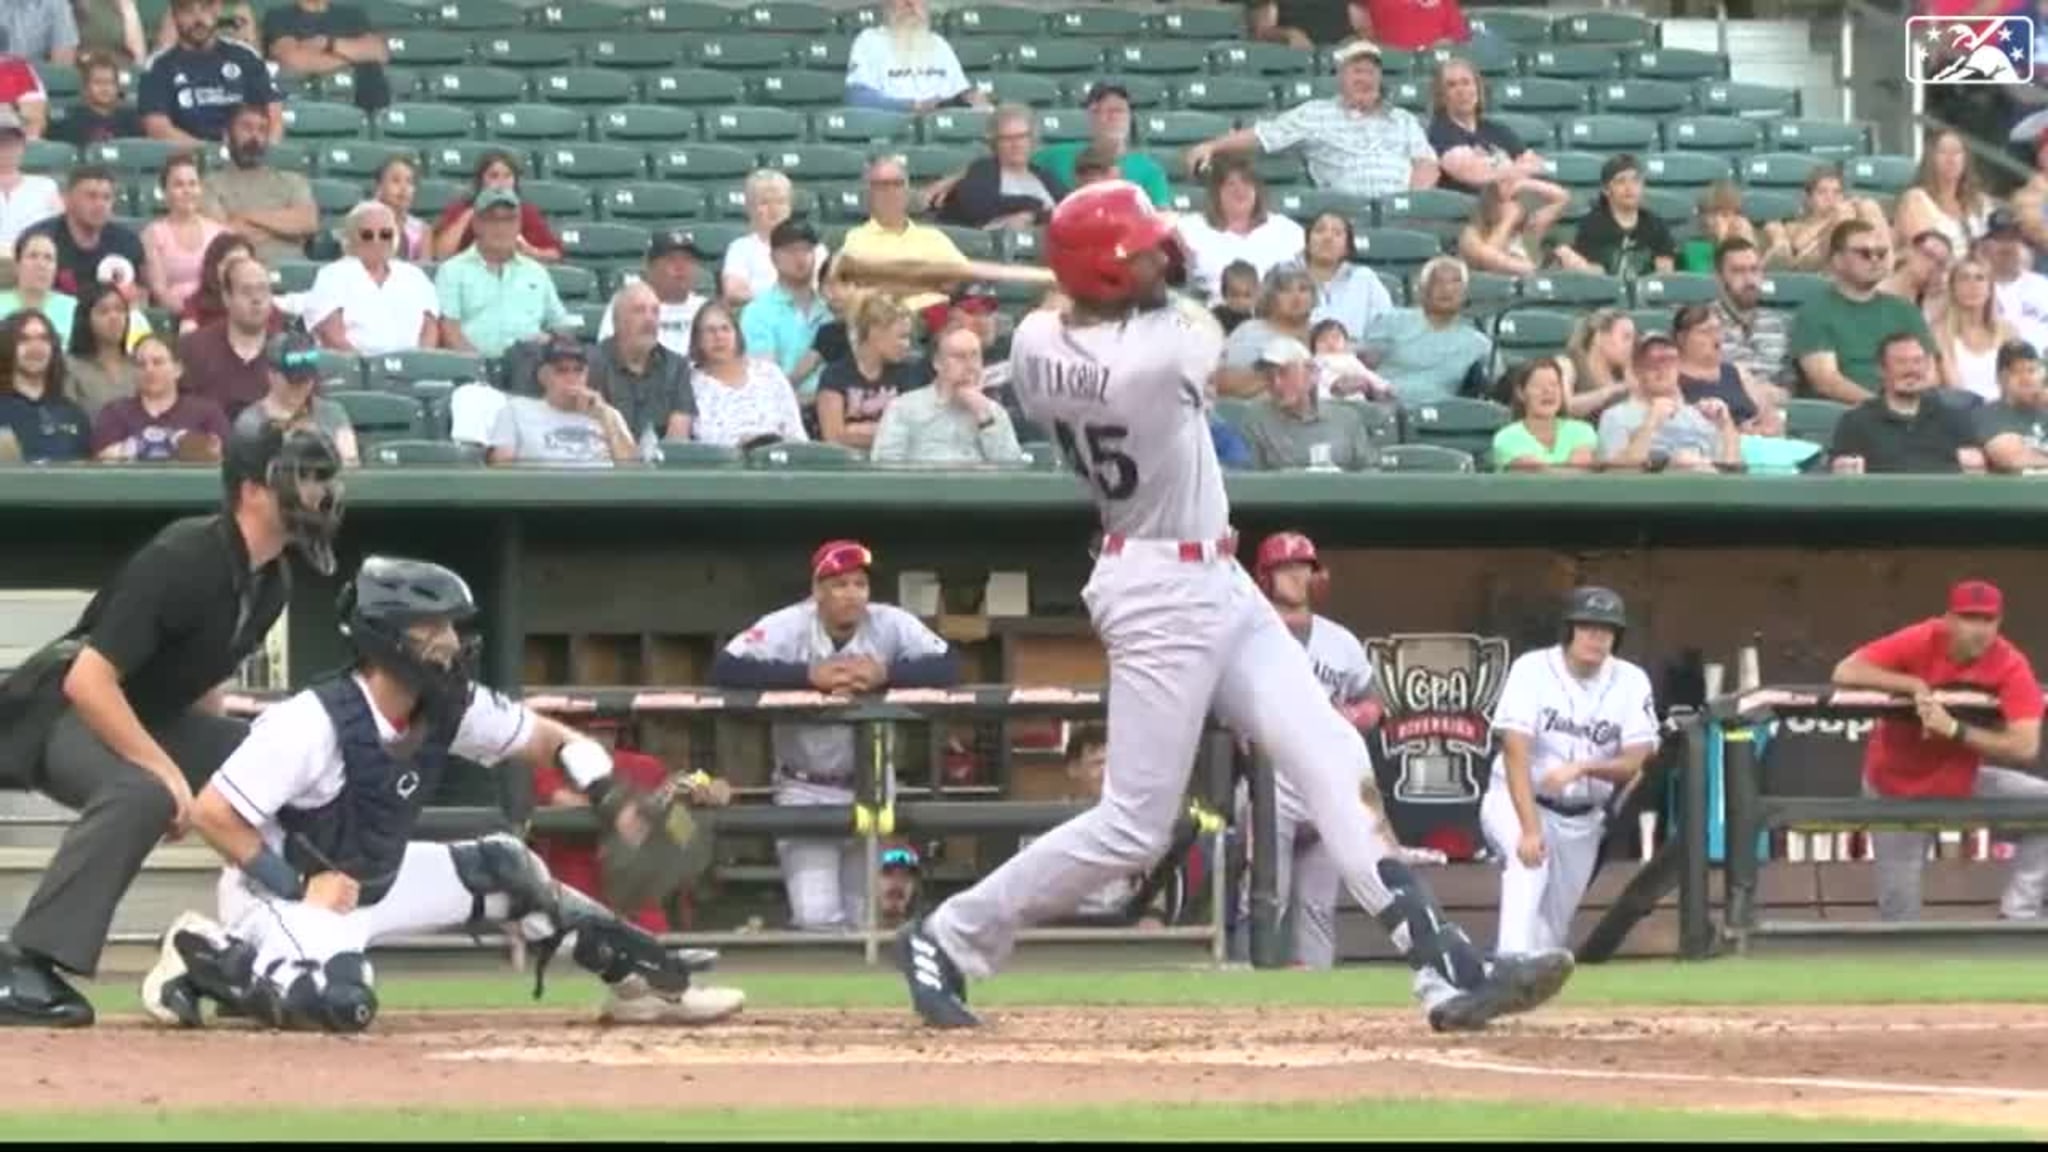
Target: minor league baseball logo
1440,689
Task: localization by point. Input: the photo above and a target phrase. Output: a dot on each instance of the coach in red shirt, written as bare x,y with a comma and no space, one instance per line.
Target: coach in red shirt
1933,754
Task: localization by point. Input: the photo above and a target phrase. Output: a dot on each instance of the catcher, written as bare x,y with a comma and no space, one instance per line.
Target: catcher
314,815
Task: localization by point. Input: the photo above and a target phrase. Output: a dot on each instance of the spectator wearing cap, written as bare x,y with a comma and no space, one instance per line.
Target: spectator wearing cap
904,66
1753,337
39,30
890,233
1620,236
954,421
670,268
1355,142
1903,429
854,393
319,38
1655,430
1109,130
101,113
1234,225
648,382
782,322
1286,302
271,207
897,893
90,245
2014,428
192,89
22,93
492,294
749,267
370,302
1932,754
1006,188
1835,335
224,358
34,404
1291,428
455,229
1432,350
742,400
294,400
568,424
158,422
1477,151
2022,293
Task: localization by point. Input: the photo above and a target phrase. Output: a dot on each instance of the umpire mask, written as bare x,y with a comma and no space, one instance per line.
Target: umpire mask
302,468
381,611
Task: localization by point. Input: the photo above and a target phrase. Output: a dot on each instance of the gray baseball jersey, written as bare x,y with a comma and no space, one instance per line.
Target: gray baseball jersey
1569,719
1340,660
823,753
1126,402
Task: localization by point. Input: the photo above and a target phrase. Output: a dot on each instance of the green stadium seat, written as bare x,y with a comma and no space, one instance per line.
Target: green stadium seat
1538,95
1728,98
1881,174
996,20
737,52
1574,169
1040,456
847,202
46,156
457,160
797,90
955,126
316,120
411,453
1609,27
1641,97
931,161
641,201
377,414
1183,197
1223,94
288,276
1430,457
1791,289
1407,92
1820,137
426,48
1058,125
805,162
1764,205
1814,420
861,126
1725,134
1573,289
974,243
1395,248
133,157
1277,171
694,88
475,84
356,159
61,82
1651,320
804,456
386,14
573,282
557,199
1574,62
1258,58
740,124
1458,422
1539,132
337,369
1160,57
475,15
1199,23
1100,21
580,161
785,17
1534,330
686,16
430,197
1680,64
632,53
1685,169
1179,129
1514,25
1780,169
526,50
581,17
1056,56
1676,288
1676,206
1021,88
1022,246
695,454
977,54
703,162
334,197
436,368
585,87
1148,93
1382,421
1287,91
1493,58
1608,133
535,122
1234,412
1428,204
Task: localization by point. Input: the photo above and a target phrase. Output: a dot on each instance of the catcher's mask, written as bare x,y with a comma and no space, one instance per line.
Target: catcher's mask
301,467
381,605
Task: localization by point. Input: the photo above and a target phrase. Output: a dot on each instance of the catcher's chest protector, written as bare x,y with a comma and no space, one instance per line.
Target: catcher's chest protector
364,830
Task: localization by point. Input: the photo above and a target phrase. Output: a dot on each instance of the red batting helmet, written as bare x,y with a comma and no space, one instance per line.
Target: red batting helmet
1094,233
1289,548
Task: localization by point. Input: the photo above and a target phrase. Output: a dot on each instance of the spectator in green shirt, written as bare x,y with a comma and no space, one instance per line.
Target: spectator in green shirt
492,294
1835,336
1109,126
1542,438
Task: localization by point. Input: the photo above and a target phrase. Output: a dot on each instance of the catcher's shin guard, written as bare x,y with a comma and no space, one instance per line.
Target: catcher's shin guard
606,946
1418,928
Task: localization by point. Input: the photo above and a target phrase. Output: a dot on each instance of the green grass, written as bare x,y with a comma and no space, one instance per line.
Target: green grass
1367,1120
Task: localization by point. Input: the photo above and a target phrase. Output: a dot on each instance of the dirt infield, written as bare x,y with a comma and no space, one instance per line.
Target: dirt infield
1967,1064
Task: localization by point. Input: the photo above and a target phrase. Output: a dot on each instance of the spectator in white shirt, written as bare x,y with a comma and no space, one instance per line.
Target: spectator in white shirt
24,199
370,302
1234,225
671,270
741,400
749,267
2022,292
904,66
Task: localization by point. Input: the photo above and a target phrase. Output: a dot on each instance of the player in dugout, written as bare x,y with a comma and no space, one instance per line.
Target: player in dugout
1934,754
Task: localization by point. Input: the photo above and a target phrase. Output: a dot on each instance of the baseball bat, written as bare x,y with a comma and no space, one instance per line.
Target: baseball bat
933,275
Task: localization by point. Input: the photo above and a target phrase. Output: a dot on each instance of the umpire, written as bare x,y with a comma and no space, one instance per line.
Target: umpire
112,719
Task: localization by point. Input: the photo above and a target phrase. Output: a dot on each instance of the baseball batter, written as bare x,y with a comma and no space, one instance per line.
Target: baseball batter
1576,725
1119,379
314,815
836,642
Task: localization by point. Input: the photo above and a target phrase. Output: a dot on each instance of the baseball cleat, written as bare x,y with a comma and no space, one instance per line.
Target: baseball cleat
634,1001
168,994
1515,984
937,989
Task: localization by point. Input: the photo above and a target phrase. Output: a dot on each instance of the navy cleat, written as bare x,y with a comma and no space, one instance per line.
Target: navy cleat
937,990
1515,984
169,994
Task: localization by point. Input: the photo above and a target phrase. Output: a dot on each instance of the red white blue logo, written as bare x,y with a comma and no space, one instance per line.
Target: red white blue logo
1969,49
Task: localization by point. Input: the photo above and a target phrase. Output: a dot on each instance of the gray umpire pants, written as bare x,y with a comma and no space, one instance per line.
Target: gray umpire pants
122,813
1901,855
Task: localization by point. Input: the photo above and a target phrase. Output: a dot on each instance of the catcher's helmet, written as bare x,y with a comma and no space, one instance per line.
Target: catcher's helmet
1094,233
1289,548
1598,606
389,594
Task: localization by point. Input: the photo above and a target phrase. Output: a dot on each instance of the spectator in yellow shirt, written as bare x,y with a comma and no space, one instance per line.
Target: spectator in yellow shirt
890,233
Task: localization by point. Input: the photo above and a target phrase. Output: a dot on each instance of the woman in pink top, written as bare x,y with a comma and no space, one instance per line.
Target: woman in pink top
176,241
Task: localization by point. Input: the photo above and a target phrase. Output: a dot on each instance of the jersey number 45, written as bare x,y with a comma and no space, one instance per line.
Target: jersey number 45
1097,455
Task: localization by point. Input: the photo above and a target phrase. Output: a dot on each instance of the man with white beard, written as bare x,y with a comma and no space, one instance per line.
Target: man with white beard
904,66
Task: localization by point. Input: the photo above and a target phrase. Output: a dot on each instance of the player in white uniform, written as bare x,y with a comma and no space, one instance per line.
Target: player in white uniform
836,641
1576,725
1119,379
314,814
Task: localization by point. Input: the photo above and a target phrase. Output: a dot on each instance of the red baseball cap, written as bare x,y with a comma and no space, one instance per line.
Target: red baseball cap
835,557
1976,598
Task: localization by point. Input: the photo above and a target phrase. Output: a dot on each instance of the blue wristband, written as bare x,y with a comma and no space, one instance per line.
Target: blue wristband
268,869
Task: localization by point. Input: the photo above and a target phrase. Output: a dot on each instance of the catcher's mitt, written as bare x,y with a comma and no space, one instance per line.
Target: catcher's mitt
671,850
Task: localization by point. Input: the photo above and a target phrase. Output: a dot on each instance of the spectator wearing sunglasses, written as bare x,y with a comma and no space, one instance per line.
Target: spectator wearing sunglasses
1835,336
370,302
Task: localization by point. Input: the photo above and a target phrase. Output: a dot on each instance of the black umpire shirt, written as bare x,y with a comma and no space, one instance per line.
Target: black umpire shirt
183,614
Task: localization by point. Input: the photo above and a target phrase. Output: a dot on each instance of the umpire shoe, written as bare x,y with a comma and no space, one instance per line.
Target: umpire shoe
33,995
169,994
937,989
1513,985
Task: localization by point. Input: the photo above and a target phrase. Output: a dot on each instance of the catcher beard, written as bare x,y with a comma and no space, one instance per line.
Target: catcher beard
313,815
